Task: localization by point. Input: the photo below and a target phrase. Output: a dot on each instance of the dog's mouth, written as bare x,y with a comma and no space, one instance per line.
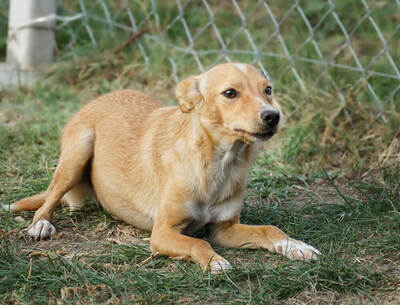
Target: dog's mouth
263,136
258,135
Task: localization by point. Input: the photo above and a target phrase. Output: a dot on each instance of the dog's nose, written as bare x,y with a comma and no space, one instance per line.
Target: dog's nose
271,118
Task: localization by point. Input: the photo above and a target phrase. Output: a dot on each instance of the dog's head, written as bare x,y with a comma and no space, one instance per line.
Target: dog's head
234,97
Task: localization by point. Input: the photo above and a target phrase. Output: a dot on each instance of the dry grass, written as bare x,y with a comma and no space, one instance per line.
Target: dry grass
349,137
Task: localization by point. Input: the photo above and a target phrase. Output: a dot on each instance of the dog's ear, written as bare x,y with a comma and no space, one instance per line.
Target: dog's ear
188,94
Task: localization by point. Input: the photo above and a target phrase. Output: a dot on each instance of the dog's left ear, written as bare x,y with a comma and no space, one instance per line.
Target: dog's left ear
188,94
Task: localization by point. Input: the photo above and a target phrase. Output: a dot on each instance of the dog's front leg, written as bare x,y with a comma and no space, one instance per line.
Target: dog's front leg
167,238
235,235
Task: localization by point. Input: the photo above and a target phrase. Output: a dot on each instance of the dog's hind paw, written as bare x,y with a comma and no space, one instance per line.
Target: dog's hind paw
219,266
42,229
6,207
295,249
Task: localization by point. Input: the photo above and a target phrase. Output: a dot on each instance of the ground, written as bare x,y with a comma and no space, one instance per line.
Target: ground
94,258
320,180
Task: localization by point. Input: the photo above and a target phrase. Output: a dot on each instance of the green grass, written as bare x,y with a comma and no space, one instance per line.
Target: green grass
358,238
330,177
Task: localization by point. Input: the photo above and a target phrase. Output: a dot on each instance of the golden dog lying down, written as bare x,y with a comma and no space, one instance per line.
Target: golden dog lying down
172,170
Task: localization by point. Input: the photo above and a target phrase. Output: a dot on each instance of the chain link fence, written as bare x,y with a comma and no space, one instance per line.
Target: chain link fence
343,46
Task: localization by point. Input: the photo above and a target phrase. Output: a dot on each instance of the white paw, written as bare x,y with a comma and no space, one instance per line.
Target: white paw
42,229
219,266
295,249
6,207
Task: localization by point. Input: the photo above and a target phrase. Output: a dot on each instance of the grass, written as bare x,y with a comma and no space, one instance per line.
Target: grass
330,178
358,238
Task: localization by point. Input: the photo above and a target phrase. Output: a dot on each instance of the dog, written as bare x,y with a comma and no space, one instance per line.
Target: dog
172,170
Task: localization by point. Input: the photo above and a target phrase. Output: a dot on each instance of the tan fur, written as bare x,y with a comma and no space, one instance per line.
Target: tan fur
171,170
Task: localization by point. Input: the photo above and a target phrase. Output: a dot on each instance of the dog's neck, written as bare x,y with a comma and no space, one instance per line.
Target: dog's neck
224,142
221,163
234,150
221,146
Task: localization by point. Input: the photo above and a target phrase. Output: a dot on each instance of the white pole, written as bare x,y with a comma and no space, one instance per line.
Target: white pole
31,33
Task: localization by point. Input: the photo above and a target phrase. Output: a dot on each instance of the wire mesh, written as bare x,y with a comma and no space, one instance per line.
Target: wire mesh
342,45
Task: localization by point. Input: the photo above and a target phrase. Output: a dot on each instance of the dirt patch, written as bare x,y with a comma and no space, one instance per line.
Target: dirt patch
313,297
6,122
326,192
70,241
320,191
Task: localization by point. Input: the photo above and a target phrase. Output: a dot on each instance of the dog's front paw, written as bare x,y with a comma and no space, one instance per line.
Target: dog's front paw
219,265
295,249
42,229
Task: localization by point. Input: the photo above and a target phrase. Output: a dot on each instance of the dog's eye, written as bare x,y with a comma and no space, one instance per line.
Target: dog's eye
230,93
268,90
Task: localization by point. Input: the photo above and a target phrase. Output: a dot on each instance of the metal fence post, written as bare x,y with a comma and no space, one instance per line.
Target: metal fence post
31,33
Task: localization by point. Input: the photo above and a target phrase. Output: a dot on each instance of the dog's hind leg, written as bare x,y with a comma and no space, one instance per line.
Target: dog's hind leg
75,198
77,149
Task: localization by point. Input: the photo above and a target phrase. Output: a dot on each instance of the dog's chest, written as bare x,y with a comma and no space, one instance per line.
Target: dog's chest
220,200
224,176
203,213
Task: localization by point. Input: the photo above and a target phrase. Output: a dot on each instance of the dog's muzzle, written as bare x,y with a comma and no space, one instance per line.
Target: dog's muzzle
267,128
270,120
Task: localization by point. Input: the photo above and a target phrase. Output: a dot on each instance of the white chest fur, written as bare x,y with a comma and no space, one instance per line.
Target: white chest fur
221,201
204,213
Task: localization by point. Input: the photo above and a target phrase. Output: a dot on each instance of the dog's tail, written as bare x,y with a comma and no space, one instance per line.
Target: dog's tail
27,204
